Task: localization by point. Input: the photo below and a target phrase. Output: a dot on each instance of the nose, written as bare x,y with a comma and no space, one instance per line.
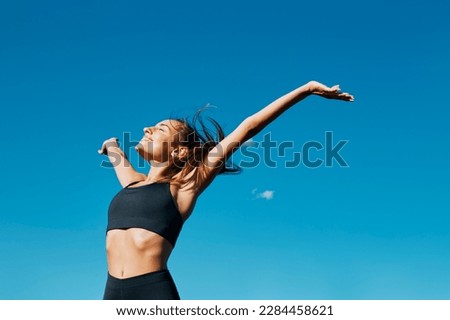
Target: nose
148,129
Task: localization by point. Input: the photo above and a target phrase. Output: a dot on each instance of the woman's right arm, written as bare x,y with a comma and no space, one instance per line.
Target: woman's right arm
123,168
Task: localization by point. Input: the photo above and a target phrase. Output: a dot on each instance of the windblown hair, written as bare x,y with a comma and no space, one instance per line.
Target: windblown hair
199,140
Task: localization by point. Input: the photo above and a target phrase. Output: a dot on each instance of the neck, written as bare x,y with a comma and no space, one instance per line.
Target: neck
157,172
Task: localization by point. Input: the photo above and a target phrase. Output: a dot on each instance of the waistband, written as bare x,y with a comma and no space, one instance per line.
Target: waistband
146,278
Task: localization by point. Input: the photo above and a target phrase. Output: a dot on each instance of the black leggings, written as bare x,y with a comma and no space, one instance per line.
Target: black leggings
156,285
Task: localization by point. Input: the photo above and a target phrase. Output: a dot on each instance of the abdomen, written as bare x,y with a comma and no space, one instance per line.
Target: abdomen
136,251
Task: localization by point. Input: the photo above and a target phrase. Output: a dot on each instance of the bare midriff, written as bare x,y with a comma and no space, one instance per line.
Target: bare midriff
136,251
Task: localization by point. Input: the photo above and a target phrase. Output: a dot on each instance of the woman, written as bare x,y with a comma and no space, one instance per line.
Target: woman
146,216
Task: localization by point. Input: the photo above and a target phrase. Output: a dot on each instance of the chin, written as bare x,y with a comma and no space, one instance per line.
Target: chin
140,150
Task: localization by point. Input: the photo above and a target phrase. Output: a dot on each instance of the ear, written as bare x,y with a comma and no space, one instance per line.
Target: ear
180,152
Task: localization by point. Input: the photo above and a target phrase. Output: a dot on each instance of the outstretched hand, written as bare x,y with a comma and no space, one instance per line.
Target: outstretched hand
334,92
106,144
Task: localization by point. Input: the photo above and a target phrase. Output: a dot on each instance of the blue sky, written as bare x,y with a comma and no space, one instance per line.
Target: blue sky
76,73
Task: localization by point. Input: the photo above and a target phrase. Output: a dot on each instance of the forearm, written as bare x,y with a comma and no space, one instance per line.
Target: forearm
258,121
122,167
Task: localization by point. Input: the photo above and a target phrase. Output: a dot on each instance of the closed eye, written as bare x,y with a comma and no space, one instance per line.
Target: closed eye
165,126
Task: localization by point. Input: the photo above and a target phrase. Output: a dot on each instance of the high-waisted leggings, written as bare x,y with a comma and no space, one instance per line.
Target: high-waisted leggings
156,285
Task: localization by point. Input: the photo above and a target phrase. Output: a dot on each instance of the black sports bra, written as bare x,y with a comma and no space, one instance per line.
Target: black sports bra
151,207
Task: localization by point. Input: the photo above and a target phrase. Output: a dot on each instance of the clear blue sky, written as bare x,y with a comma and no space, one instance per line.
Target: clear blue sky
75,73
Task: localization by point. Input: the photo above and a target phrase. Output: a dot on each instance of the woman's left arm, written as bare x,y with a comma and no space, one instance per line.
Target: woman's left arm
253,124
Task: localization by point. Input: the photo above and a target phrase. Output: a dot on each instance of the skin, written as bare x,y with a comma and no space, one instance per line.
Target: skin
137,251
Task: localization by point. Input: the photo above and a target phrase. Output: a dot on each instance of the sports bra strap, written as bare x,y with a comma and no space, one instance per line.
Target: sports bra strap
132,183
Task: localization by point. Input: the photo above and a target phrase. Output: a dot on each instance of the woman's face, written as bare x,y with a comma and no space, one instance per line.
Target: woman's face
158,141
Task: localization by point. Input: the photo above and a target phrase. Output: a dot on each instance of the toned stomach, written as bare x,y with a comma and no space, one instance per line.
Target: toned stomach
136,251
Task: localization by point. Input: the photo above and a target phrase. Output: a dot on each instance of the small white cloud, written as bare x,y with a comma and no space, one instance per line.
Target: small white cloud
268,194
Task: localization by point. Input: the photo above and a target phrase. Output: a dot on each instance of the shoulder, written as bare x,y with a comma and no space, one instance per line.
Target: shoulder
201,177
191,184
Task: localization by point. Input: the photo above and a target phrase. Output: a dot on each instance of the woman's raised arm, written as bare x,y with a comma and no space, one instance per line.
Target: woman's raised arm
258,121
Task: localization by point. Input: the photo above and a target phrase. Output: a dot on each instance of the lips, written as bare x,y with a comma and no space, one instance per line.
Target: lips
146,138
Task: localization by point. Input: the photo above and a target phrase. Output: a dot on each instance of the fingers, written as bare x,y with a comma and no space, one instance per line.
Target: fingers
108,143
334,93
102,150
346,96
